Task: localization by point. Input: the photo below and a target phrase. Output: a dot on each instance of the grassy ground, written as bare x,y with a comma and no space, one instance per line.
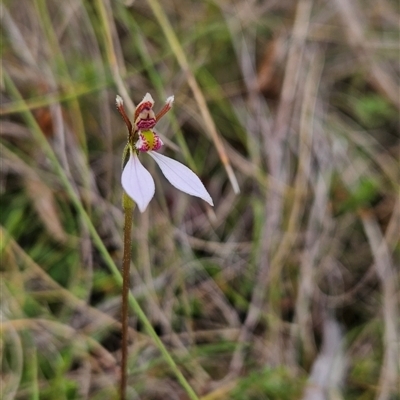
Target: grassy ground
286,290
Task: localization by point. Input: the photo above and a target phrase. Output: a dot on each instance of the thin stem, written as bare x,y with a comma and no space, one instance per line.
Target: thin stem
128,211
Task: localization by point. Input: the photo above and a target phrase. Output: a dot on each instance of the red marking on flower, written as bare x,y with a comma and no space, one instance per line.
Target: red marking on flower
145,119
148,141
157,142
146,106
144,147
146,124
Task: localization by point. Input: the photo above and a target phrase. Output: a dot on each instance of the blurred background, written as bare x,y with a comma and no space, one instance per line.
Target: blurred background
288,111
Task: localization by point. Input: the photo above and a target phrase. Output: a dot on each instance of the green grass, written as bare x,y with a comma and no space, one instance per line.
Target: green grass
227,303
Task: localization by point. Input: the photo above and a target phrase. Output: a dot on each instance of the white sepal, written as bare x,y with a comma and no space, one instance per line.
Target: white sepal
137,182
181,177
146,98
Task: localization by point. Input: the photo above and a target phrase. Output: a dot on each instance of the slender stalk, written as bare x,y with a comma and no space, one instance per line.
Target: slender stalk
128,212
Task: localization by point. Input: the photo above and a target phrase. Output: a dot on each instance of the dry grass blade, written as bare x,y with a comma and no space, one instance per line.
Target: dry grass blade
380,78
114,54
390,306
197,92
43,200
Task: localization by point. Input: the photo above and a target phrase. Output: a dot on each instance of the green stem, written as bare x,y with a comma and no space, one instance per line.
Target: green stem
128,212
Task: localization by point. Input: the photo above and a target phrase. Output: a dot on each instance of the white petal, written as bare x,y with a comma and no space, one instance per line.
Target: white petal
137,182
181,177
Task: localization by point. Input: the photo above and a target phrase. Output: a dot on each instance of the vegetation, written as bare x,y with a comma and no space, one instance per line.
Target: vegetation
286,289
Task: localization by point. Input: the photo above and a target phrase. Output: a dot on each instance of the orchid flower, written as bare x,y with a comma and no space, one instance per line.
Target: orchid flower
136,180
